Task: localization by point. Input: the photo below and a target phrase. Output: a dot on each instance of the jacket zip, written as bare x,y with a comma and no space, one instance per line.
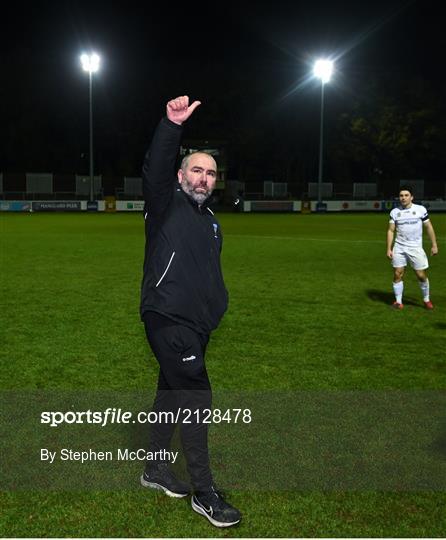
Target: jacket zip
167,268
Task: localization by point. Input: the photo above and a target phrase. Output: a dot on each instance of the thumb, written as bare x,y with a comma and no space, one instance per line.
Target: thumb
194,105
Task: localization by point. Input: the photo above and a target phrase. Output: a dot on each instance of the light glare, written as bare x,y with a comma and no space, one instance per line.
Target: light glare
323,70
90,62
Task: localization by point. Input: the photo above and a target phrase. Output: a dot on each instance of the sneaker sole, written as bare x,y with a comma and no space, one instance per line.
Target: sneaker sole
214,522
159,487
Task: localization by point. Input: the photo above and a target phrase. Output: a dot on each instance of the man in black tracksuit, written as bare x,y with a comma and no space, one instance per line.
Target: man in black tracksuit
183,298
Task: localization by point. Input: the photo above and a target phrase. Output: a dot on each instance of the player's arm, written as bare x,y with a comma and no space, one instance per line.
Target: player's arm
158,171
431,233
390,235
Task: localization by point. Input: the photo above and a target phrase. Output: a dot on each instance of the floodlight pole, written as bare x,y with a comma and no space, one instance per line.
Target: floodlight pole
90,77
90,63
321,146
323,70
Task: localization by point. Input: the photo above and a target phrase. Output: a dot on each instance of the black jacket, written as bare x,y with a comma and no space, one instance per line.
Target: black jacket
182,272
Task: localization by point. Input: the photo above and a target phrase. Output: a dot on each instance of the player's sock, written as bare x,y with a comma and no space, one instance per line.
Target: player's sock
424,286
398,291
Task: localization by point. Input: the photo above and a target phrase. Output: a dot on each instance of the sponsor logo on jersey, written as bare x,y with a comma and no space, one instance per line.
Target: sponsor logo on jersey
408,222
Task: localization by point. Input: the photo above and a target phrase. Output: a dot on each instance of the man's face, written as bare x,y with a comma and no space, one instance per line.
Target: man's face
199,177
405,198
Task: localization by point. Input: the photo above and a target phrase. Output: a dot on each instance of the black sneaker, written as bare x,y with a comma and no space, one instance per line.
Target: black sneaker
159,477
212,506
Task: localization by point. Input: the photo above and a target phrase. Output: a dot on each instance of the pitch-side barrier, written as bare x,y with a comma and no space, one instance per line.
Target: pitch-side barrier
111,205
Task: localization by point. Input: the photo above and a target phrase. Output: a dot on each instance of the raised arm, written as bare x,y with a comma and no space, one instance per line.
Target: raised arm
158,171
431,233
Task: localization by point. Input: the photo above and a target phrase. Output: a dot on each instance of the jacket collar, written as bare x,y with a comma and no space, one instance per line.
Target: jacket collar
201,207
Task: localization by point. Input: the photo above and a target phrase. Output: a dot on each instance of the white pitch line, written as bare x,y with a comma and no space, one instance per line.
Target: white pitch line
302,239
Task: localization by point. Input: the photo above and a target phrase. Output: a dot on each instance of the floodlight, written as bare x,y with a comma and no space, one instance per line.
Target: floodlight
90,62
323,70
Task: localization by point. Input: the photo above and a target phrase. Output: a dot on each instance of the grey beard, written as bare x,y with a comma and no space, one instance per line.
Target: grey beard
199,198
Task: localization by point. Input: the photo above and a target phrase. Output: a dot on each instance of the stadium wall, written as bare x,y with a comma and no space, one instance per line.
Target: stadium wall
248,206
335,206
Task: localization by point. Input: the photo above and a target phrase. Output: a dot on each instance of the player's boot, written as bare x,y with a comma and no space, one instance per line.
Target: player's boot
213,507
158,476
397,305
428,305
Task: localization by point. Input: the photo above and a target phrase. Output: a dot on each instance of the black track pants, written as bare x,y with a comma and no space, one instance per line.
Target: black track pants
183,384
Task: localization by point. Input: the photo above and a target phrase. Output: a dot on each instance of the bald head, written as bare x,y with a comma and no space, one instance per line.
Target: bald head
185,161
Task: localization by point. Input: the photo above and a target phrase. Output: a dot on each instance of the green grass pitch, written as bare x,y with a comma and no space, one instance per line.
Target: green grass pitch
309,311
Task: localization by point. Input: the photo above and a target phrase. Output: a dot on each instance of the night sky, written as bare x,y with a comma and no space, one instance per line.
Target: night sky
249,63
